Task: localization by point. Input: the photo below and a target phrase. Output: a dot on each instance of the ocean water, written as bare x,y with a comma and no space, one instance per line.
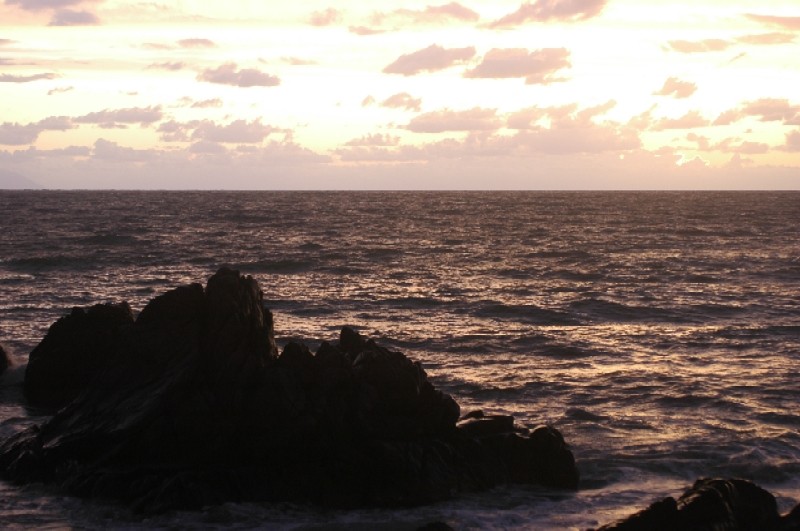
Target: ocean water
658,331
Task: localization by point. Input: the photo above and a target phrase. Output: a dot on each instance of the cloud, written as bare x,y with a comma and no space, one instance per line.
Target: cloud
227,74
118,118
111,151
568,129
790,23
236,132
728,117
326,17
207,104
67,17
719,45
173,66
196,43
6,42
430,15
690,120
453,10
773,110
375,139
729,145
767,39
547,10
707,45
429,59
476,119
298,61
9,78
676,88
793,141
364,30
765,110
60,90
38,5
539,117
402,100
15,134
208,148
537,67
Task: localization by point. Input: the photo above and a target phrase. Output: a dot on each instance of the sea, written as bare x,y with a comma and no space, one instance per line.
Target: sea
658,331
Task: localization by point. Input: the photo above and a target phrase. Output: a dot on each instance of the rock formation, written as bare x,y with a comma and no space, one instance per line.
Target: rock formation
190,405
713,505
5,360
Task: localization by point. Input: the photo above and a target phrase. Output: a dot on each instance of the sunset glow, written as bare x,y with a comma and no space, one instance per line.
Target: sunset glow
553,94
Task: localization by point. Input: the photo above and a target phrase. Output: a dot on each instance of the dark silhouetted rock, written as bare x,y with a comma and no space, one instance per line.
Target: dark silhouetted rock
191,405
711,505
75,350
5,360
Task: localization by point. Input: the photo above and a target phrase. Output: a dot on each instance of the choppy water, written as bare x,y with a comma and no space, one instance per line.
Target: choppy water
660,332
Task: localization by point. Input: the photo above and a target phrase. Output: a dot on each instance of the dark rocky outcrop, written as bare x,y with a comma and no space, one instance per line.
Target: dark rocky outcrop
713,505
5,360
75,350
191,405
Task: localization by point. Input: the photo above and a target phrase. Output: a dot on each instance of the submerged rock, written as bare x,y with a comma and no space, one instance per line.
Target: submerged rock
191,405
711,505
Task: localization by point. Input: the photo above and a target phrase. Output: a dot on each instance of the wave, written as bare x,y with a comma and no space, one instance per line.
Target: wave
524,313
609,311
40,263
284,266
110,239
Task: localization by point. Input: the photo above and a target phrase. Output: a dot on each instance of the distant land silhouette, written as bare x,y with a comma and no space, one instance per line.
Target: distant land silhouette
14,181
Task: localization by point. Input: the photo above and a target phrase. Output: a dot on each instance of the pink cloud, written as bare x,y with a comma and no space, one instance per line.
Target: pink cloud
707,45
547,10
773,110
676,88
431,14
429,59
364,30
767,38
9,78
690,120
728,117
111,151
790,23
68,17
207,104
60,90
37,5
326,17
476,119
115,118
376,139
172,66
15,134
236,132
402,100
196,43
537,67
227,74
206,147
451,10
793,141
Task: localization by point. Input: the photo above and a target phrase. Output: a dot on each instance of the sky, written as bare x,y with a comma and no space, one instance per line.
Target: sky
500,94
